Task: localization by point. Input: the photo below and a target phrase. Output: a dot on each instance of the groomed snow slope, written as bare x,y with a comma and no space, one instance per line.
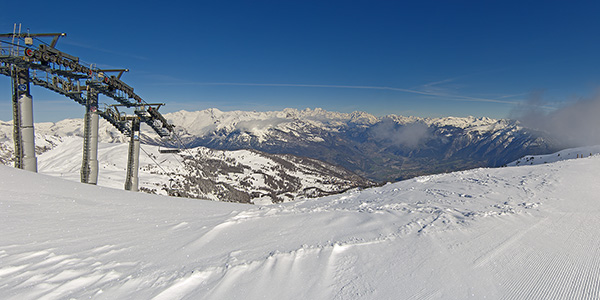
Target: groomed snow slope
513,233
571,153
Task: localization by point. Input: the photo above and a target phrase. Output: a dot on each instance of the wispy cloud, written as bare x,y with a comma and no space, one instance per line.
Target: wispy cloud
449,88
435,85
85,46
443,95
514,95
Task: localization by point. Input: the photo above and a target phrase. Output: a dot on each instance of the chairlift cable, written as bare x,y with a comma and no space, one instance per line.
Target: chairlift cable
186,149
182,146
40,40
155,162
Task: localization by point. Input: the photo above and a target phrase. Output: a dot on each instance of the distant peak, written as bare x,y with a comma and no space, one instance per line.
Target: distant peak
363,118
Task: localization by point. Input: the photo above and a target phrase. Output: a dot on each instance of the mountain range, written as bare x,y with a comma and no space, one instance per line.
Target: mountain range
256,157
382,149
246,176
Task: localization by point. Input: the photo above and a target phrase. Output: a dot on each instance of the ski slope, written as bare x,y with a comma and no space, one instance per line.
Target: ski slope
571,153
526,232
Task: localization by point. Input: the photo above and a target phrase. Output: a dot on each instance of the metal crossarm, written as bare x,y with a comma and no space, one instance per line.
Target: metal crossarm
66,75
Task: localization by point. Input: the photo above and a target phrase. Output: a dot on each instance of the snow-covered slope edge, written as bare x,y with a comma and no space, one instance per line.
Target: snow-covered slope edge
245,176
486,233
571,153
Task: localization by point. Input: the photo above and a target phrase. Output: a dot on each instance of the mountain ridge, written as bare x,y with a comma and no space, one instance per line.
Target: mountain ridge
387,148
382,149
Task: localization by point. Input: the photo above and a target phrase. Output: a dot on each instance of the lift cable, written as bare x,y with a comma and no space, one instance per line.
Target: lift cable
185,149
41,41
181,144
154,160
179,161
171,179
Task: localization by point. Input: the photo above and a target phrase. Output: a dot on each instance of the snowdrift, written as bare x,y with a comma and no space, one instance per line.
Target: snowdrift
516,233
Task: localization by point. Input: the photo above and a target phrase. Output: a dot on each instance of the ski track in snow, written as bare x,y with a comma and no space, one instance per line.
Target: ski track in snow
510,233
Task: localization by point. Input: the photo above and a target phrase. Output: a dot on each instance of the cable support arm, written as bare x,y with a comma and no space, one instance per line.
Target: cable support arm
121,71
54,36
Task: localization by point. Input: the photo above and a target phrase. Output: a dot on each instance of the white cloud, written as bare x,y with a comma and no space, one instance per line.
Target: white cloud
444,96
576,123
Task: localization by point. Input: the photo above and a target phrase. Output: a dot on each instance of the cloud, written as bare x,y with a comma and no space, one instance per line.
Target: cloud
85,46
435,87
445,96
408,135
512,95
575,124
257,126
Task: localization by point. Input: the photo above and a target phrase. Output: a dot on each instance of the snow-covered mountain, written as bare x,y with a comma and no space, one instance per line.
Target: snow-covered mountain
246,176
507,233
382,149
48,135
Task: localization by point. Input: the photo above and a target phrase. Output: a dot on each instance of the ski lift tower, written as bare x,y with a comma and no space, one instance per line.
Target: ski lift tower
133,156
64,74
89,163
147,113
23,133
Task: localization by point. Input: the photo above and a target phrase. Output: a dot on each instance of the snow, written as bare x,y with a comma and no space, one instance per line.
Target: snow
258,124
515,233
252,124
571,153
157,169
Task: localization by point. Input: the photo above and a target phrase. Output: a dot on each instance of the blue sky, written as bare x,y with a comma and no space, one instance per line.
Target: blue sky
422,58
